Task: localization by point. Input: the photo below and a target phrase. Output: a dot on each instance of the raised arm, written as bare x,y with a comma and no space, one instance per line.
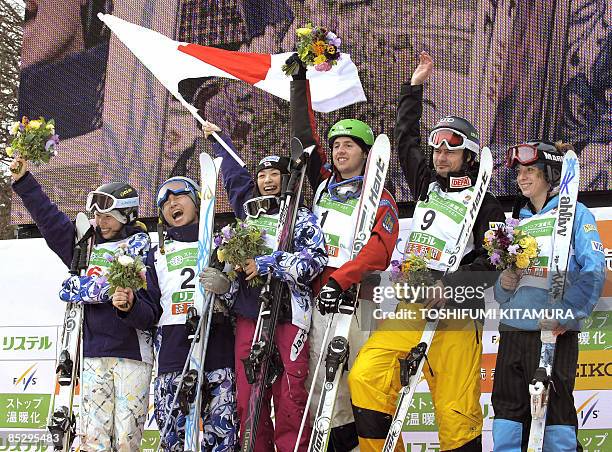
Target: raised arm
407,128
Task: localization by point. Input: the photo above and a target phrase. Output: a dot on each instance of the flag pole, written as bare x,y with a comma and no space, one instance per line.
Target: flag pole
194,112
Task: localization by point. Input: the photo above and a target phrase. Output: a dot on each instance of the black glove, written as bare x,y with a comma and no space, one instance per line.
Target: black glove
299,72
328,300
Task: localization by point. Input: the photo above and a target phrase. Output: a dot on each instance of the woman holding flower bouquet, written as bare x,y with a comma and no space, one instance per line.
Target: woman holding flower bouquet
441,186
117,357
257,203
524,285
171,284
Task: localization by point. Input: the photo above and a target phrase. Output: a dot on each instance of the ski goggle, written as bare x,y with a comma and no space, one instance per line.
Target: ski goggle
175,187
453,139
104,202
525,154
263,204
344,190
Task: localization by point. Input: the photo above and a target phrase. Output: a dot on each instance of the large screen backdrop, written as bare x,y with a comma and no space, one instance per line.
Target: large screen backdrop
517,70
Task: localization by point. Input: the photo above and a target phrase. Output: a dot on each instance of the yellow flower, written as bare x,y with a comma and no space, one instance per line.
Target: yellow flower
318,48
524,242
531,251
34,124
221,255
522,260
320,59
331,49
9,151
15,128
302,32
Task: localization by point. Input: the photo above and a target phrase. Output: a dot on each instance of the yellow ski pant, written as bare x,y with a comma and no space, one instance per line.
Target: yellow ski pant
454,356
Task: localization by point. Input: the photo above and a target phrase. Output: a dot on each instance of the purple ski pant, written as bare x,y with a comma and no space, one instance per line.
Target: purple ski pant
288,392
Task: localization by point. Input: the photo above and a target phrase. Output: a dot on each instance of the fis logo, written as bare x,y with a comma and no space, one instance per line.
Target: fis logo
587,410
26,379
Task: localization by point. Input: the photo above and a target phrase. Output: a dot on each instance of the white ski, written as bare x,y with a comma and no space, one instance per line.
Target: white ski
539,387
61,421
411,368
200,315
338,348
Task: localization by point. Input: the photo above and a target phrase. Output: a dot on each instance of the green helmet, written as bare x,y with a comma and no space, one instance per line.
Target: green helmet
353,128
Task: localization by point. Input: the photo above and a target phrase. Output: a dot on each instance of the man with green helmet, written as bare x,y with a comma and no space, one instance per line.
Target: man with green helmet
337,190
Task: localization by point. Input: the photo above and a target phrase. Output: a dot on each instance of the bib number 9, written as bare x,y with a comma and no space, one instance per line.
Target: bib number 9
428,219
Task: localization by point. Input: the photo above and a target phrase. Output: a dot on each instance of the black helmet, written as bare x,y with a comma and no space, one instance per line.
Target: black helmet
272,161
116,198
465,135
543,154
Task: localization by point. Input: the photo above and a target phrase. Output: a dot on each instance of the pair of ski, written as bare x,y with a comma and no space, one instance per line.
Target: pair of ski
539,387
62,420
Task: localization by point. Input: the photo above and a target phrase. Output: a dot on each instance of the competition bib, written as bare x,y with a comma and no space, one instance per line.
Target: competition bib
337,221
176,274
541,228
436,226
268,223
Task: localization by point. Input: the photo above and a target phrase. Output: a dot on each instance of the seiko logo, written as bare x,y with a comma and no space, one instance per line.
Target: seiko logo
556,158
594,370
565,214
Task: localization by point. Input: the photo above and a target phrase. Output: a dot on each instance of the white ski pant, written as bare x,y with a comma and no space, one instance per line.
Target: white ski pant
343,412
114,402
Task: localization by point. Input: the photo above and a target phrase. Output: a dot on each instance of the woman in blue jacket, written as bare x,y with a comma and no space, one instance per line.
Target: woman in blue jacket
538,166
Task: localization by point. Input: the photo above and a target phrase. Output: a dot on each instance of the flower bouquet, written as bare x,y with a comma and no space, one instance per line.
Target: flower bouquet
125,270
316,46
32,140
411,272
509,247
239,242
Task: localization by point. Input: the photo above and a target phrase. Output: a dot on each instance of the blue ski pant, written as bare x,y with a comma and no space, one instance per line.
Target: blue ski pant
517,359
220,423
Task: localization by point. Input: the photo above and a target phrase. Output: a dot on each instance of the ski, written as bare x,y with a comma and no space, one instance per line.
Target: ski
411,367
263,366
539,386
336,358
62,421
199,316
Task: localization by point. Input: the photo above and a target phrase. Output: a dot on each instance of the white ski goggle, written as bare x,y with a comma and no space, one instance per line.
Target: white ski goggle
104,202
453,139
263,204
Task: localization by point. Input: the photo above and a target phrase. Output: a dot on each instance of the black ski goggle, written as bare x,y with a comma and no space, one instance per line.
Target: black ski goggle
263,204
104,202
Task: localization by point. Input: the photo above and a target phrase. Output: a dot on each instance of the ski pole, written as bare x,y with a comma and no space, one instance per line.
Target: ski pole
314,380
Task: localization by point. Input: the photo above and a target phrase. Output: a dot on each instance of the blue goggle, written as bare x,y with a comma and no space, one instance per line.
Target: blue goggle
346,189
176,187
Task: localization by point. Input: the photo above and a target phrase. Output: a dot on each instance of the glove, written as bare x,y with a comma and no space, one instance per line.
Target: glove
328,299
300,70
214,281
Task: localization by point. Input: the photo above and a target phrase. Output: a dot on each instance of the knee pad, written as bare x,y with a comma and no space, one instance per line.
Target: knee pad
371,424
343,438
473,446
